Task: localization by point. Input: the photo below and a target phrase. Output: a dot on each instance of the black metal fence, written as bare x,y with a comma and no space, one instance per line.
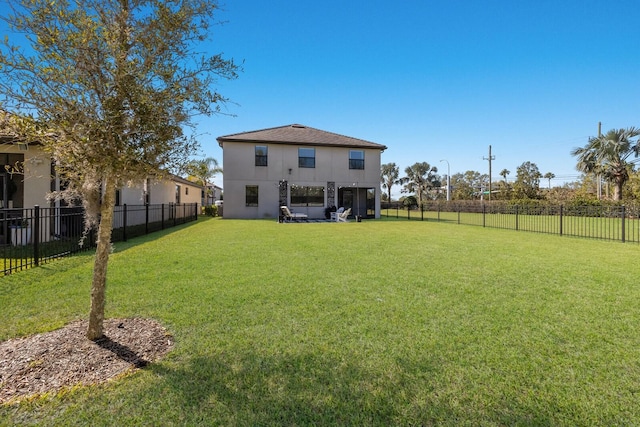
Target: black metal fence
30,237
597,221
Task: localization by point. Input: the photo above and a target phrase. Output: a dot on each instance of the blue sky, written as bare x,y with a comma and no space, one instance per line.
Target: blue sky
435,80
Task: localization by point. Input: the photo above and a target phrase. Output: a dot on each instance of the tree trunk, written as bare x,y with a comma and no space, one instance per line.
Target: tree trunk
617,192
99,284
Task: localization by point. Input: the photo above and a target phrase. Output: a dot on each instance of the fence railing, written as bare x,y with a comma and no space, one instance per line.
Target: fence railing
30,237
608,222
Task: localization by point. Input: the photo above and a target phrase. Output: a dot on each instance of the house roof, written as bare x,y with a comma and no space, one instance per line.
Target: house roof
8,134
299,135
180,180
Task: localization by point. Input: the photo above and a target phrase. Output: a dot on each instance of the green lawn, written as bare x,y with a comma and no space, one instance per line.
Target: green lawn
372,323
607,228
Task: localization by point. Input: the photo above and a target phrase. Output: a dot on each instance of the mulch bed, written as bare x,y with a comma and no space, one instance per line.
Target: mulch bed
65,358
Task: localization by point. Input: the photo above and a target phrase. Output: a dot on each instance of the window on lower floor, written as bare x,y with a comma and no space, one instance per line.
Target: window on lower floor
307,196
251,195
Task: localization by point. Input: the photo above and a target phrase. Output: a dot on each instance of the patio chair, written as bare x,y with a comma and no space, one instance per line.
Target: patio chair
342,217
287,215
334,215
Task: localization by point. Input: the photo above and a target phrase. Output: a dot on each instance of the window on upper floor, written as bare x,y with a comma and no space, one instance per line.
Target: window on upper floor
356,159
251,195
261,155
306,157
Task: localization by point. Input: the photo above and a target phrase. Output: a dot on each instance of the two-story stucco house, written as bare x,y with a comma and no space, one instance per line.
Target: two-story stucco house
304,168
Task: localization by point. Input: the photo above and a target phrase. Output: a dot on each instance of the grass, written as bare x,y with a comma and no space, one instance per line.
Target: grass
373,323
608,228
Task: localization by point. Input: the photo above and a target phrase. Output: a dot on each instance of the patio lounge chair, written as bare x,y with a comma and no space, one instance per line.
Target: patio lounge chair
287,215
342,217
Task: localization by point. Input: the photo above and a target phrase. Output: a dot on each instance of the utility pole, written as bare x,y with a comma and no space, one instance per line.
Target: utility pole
490,158
448,180
598,179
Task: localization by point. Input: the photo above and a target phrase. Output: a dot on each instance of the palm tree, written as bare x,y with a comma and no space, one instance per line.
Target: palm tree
420,178
549,176
389,177
202,172
504,173
613,155
504,193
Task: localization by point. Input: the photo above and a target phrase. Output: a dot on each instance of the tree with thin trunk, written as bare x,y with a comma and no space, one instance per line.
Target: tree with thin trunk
503,174
202,171
110,88
612,155
549,176
389,177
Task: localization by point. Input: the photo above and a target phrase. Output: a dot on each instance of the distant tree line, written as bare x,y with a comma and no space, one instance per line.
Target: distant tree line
607,161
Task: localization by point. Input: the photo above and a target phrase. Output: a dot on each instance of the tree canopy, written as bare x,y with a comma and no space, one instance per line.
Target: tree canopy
468,185
420,178
110,87
202,172
527,181
612,155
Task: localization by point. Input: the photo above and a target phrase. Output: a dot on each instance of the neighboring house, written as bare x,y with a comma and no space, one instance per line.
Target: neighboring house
155,192
212,194
304,168
25,175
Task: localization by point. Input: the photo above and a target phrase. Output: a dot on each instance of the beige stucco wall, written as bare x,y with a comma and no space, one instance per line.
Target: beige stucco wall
160,192
35,184
332,165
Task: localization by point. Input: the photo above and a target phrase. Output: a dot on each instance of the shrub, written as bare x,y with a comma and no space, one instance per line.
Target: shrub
211,210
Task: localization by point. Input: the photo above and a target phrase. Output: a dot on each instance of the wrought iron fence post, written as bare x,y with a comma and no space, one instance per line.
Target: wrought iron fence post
516,217
36,235
484,215
124,222
146,218
421,211
624,216
561,214
162,217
